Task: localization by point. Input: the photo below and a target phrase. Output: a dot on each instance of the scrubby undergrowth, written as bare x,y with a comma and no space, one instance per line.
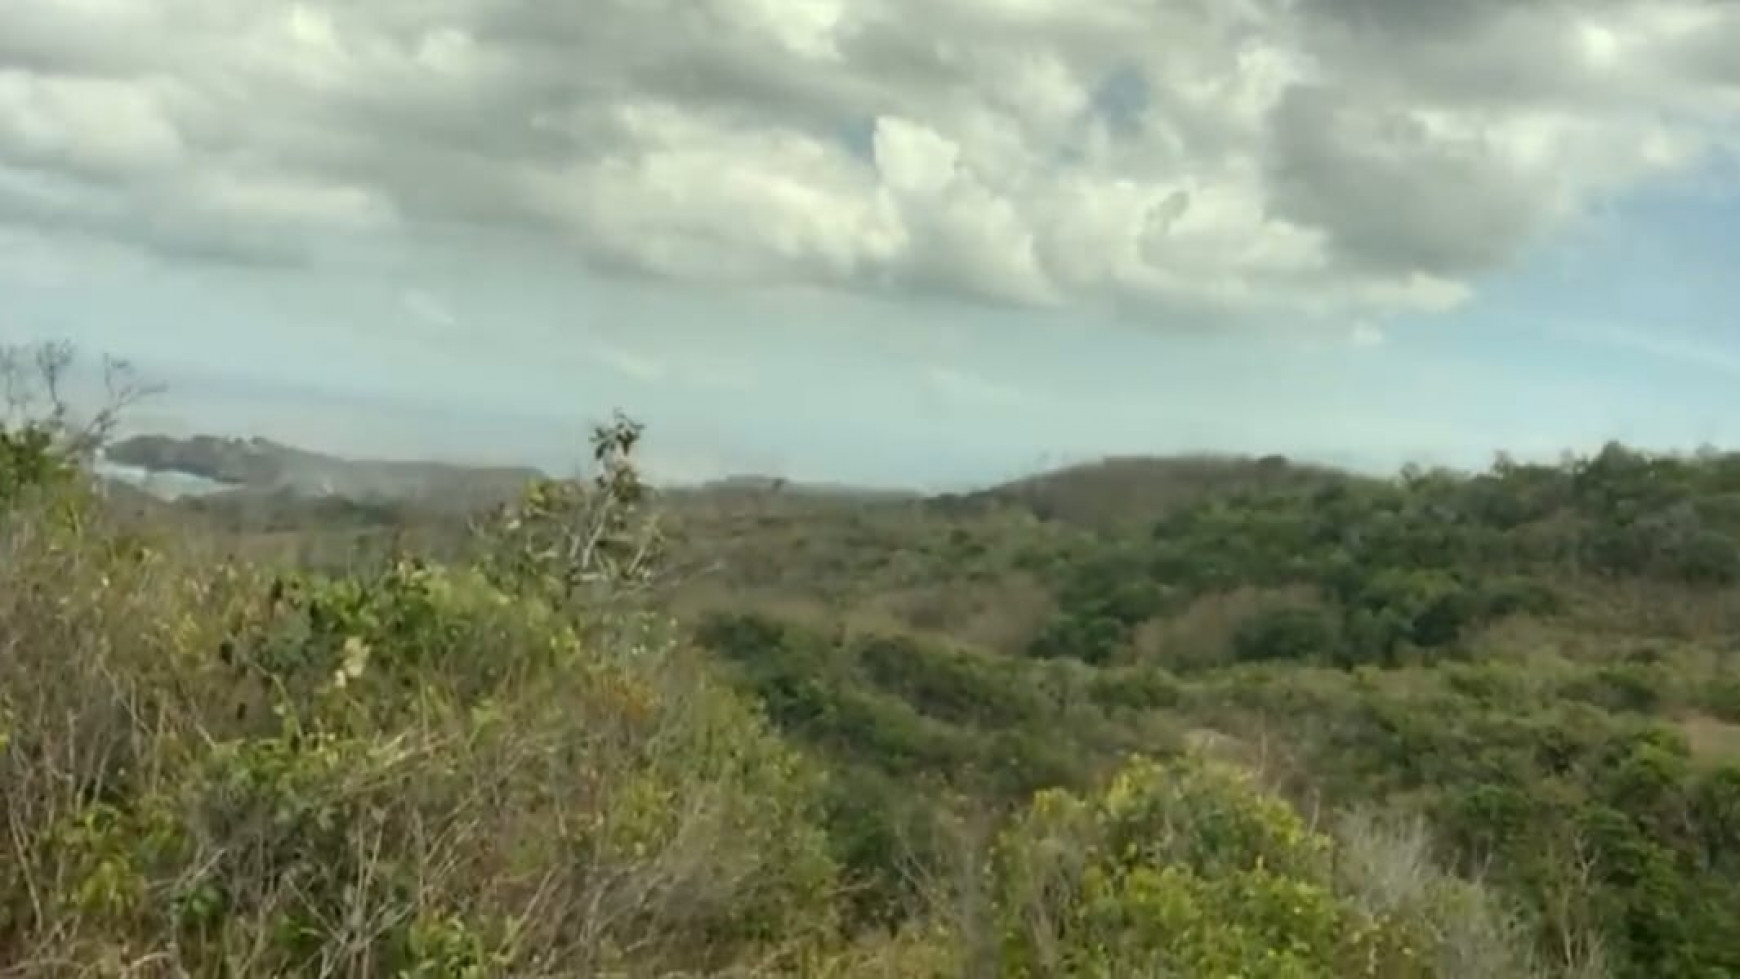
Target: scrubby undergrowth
212,770
514,768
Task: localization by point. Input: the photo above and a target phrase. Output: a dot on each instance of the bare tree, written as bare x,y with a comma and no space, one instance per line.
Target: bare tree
34,382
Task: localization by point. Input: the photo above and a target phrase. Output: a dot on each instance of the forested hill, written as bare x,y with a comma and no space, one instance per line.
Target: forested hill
1125,492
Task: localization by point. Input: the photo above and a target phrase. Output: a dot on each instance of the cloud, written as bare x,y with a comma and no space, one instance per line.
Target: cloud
429,309
1366,335
629,363
1314,157
961,385
694,368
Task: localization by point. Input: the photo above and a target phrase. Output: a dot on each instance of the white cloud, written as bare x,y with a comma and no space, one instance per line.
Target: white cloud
429,309
1366,335
698,369
1329,158
963,385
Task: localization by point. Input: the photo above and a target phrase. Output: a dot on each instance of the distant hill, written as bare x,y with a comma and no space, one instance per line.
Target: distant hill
207,465
1113,493
1122,491
736,487
260,472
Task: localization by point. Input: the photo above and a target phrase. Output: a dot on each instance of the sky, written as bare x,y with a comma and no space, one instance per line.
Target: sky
927,243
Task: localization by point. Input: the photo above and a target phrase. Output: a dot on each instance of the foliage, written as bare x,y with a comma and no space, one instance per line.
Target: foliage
1438,725
1286,634
28,462
566,535
1599,821
1189,868
220,771
1507,657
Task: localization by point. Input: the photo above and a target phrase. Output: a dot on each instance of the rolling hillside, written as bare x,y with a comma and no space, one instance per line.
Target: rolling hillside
1519,686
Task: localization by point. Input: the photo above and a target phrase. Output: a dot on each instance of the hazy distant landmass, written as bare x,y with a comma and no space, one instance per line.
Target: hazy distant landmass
206,465
754,485
1110,493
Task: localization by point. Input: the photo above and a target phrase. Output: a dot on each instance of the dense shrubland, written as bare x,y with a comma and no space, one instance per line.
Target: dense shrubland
515,768
1535,664
226,770
1302,725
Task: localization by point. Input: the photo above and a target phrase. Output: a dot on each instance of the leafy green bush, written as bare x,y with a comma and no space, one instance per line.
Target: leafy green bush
1184,869
1090,638
956,685
1287,634
28,461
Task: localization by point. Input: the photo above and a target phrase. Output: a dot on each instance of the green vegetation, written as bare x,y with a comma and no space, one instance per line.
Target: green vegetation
1532,667
425,771
1260,720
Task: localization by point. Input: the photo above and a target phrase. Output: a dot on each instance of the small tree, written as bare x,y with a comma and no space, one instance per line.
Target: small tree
566,537
41,441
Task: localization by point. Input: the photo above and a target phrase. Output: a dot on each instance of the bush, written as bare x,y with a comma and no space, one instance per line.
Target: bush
211,770
28,462
1292,634
1183,869
1092,639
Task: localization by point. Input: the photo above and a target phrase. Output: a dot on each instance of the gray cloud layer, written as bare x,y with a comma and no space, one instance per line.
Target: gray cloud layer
1337,156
